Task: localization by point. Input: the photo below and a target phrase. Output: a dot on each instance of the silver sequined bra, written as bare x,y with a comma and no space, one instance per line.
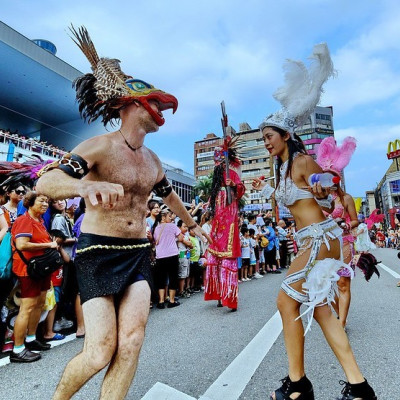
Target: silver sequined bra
287,193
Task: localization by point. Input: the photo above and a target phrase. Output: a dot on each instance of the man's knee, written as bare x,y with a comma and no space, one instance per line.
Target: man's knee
100,355
129,344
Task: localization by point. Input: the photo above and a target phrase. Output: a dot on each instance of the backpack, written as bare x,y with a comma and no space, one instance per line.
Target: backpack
264,242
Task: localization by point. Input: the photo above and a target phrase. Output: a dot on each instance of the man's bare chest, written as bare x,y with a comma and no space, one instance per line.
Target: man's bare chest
133,171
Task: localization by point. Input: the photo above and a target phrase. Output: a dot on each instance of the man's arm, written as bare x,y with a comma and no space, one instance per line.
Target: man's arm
175,204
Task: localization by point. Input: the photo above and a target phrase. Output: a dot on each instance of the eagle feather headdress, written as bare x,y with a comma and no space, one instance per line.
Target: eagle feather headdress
107,89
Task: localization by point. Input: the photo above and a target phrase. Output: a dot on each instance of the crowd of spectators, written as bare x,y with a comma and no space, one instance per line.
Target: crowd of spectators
35,313
31,144
51,308
180,257
385,238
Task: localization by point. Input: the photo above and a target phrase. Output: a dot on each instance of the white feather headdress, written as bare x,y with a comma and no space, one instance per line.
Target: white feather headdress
302,90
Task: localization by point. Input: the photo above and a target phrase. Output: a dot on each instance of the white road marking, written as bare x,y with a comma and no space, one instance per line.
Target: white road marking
390,271
231,383
160,391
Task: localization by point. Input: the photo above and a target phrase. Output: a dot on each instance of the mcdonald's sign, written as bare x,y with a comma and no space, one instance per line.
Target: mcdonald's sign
393,149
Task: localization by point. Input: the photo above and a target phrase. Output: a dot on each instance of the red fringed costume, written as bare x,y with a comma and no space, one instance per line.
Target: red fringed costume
222,268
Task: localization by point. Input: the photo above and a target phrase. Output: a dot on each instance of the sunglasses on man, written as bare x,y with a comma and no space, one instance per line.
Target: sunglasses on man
20,192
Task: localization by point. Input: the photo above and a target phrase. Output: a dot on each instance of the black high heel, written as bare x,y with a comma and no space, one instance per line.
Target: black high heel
357,391
302,386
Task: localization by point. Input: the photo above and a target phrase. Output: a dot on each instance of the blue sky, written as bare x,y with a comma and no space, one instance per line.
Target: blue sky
207,51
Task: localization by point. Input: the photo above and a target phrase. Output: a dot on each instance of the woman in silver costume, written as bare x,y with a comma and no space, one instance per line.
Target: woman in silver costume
312,276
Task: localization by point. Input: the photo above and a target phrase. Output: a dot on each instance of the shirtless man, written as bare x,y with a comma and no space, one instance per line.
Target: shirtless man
112,260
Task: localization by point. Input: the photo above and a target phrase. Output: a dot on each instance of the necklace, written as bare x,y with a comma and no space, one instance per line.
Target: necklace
126,142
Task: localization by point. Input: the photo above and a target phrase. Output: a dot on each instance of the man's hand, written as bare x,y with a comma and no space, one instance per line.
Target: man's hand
104,193
201,234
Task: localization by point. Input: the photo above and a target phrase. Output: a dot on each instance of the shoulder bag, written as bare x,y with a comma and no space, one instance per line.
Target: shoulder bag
40,267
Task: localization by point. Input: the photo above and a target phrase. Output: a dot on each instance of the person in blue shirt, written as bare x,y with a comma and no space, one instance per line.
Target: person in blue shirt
270,250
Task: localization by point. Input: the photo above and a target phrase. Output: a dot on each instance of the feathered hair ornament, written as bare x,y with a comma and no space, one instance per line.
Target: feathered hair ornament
302,90
105,91
331,157
367,263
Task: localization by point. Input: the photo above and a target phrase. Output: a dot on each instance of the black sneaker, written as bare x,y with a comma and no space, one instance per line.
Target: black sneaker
37,346
174,304
196,290
26,356
161,306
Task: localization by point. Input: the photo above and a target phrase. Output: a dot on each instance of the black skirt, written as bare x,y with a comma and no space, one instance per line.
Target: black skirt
108,265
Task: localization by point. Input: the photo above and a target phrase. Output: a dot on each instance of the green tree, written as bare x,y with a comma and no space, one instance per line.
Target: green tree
203,187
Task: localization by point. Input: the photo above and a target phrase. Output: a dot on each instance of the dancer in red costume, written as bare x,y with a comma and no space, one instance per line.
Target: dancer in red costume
221,276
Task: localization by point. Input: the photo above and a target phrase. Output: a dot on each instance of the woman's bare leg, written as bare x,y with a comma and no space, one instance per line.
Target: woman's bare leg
339,343
344,299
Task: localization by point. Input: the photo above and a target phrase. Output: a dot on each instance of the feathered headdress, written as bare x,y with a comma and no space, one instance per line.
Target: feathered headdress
104,92
230,147
302,90
25,174
374,218
331,157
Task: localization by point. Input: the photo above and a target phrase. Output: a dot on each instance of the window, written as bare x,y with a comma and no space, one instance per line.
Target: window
323,117
395,186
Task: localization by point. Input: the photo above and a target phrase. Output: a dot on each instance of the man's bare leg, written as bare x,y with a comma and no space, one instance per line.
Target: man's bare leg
132,319
99,347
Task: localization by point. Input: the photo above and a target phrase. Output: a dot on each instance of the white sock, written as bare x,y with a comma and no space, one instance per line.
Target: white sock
19,349
30,338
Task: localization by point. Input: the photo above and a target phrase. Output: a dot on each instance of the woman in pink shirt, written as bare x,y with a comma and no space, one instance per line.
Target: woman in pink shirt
165,234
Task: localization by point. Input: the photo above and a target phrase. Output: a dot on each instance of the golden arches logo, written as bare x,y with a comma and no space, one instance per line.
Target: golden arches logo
393,146
393,150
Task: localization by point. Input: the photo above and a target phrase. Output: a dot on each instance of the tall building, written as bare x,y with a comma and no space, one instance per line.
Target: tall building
255,160
182,182
318,127
204,155
387,194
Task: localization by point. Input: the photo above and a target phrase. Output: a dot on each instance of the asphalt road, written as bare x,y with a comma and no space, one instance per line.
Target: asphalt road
189,347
